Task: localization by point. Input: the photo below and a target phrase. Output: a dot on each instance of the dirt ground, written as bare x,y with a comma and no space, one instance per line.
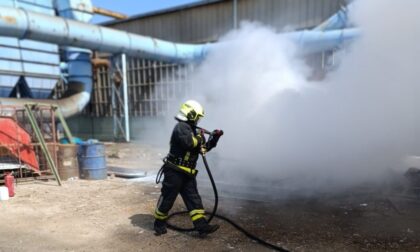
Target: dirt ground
116,215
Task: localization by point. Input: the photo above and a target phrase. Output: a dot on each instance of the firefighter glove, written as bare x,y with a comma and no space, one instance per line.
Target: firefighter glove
213,139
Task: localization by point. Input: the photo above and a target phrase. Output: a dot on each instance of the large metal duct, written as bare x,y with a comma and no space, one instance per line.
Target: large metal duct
79,87
24,24
339,20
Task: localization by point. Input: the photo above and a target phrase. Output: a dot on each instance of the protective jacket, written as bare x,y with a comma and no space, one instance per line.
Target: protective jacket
185,147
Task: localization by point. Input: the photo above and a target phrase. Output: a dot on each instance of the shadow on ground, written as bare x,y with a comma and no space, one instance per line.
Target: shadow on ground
144,221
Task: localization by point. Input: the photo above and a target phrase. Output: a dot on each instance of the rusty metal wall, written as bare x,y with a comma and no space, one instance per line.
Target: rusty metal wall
153,85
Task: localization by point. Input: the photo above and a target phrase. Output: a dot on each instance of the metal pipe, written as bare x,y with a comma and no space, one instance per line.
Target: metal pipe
235,14
25,24
125,97
30,25
98,62
109,13
337,21
318,41
69,106
114,110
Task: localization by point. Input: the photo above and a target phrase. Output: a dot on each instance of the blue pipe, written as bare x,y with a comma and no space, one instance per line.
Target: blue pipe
339,20
79,67
317,41
35,26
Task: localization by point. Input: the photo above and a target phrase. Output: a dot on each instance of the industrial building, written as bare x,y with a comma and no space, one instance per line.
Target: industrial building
123,76
317,119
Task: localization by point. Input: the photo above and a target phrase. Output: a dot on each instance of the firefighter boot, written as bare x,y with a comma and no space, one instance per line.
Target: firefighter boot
160,227
204,228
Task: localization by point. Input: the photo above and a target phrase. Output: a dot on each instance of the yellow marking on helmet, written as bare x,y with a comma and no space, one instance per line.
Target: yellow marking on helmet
192,110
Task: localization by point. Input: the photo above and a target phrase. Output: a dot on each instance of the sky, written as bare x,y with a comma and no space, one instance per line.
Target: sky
131,7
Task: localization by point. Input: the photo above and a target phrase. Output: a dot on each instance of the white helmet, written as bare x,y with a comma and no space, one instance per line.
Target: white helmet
191,111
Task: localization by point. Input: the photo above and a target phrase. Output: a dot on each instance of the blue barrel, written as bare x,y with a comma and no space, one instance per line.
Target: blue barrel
92,162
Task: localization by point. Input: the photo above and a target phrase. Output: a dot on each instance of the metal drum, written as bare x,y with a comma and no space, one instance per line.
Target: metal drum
92,163
68,166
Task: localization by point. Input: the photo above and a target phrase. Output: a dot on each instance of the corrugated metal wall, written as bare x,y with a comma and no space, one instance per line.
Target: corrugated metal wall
149,85
205,23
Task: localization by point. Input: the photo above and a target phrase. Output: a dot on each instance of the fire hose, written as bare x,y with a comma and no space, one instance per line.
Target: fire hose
214,212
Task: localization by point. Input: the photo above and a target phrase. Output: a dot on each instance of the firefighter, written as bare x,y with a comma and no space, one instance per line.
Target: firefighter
179,169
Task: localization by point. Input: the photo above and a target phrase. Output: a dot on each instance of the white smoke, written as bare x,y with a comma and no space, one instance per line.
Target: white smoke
354,126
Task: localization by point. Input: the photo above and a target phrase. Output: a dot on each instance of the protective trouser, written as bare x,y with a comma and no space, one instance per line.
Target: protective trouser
175,182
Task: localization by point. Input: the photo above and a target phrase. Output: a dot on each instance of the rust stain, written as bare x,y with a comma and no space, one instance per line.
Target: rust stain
9,19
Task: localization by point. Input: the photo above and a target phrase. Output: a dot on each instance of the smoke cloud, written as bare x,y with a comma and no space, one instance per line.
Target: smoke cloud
282,130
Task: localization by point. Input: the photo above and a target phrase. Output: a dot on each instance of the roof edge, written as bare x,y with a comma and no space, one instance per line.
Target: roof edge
162,11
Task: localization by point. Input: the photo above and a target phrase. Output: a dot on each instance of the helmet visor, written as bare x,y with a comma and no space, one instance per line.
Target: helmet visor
198,119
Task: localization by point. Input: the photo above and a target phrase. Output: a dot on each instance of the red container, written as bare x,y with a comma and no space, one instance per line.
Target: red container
9,181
